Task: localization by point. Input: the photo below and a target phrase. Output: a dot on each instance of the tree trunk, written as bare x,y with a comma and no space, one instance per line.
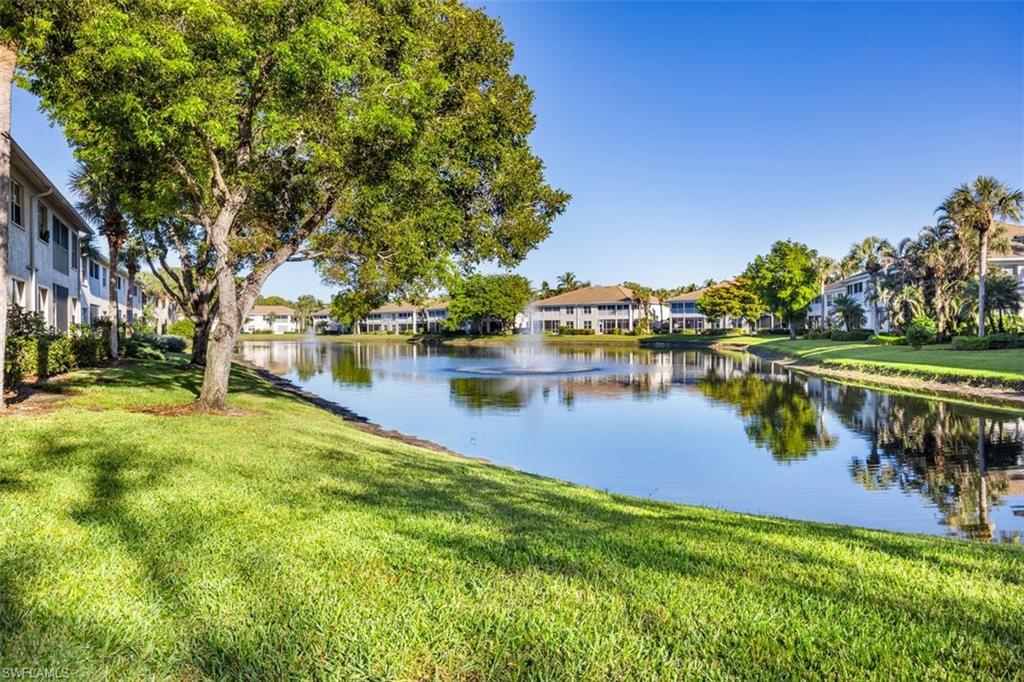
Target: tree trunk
200,340
115,313
130,304
8,56
792,329
982,269
822,306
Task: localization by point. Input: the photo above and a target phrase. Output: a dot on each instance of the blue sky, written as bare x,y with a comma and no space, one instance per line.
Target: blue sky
693,135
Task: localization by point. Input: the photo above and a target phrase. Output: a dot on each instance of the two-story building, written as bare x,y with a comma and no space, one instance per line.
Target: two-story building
45,235
273,319
323,323
684,314
1011,259
859,288
601,308
396,318
98,278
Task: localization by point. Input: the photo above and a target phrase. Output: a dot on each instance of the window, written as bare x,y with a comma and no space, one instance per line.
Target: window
569,310
43,303
587,324
43,221
120,282
18,293
570,324
94,269
104,272
74,250
17,201
854,288
94,313
586,311
61,244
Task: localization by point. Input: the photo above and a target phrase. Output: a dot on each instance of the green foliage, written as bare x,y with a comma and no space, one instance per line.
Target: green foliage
567,331
920,331
274,300
1002,341
183,327
814,334
970,343
32,350
852,335
849,312
735,300
145,321
498,298
725,331
143,347
785,279
888,340
171,344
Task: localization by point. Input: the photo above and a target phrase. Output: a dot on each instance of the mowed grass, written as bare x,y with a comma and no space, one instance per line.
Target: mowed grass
283,543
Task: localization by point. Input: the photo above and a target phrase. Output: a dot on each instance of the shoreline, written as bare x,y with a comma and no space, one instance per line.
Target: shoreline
993,393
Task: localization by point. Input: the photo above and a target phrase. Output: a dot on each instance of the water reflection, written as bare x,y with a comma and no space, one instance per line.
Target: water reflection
646,421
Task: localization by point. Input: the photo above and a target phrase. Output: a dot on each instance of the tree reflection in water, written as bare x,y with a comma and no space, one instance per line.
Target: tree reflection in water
777,412
475,393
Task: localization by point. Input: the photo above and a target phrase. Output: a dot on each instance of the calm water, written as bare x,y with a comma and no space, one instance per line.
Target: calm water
718,429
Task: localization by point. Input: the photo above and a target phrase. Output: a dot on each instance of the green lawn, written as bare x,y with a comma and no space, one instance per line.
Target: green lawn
281,542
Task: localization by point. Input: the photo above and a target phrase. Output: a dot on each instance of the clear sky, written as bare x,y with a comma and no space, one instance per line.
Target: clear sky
693,135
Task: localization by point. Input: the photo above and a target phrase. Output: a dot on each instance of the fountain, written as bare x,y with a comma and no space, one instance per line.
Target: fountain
529,358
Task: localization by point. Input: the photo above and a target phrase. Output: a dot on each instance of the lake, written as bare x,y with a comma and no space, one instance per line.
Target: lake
726,430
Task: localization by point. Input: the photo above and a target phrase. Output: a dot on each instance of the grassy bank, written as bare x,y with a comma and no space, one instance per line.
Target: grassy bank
929,362
138,539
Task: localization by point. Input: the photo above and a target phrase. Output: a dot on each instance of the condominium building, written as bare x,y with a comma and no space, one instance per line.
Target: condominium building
601,308
858,287
684,314
273,319
45,236
98,279
395,318
323,322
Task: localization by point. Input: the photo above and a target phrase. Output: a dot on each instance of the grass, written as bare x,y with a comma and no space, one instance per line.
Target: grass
285,543
936,361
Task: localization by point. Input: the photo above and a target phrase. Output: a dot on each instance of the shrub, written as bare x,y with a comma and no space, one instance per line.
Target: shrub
60,356
817,334
171,344
852,335
1002,341
185,328
888,340
920,331
728,331
143,347
616,331
970,343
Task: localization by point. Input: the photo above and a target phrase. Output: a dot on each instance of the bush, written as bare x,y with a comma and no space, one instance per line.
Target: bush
1002,341
568,331
817,334
185,328
970,343
728,331
143,347
616,331
852,335
171,344
88,346
888,340
920,331
60,356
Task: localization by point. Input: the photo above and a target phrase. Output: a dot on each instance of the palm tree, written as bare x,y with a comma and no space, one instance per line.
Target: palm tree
974,209
567,281
131,258
8,58
100,202
828,271
849,311
873,255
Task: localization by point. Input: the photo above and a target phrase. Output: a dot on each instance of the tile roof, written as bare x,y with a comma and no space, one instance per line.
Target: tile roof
271,310
1015,235
613,294
406,307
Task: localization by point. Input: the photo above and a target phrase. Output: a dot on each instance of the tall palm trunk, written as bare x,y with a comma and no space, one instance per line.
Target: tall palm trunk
982,270
129,302
114,247
821,289
8,57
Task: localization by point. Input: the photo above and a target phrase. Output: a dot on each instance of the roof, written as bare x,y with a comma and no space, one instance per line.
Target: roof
694,295
1015,235
614,294
271,310
323,312
29,166
407,307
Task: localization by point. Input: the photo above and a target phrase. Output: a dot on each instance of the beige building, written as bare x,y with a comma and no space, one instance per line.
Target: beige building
601,308
272,319
396,318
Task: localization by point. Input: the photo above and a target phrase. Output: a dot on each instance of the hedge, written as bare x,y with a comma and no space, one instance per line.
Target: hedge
970,342
852,335
888,340
567,331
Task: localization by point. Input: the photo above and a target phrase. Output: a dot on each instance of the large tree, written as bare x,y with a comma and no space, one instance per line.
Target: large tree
786,280
8,57
735,299
873,255
480,298
387,140
975,208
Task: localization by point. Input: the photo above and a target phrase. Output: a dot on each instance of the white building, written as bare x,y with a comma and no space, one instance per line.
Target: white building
44,246
601,308
97,281
684,315
395,318
1011,260
273,319
859,288
324,323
